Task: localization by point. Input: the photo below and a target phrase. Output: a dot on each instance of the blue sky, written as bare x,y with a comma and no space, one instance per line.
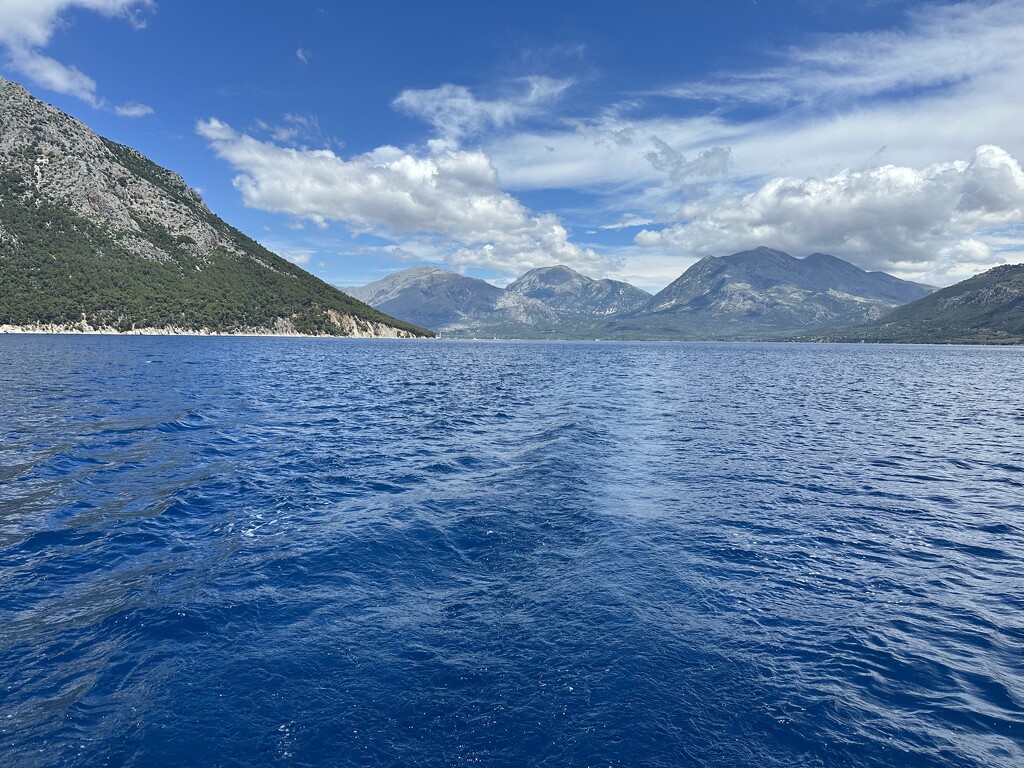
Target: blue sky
623,139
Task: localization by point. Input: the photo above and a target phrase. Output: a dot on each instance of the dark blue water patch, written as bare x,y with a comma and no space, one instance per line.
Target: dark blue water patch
363,553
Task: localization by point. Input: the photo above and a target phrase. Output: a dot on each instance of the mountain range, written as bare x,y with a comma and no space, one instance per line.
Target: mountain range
95,236
545,302
762,293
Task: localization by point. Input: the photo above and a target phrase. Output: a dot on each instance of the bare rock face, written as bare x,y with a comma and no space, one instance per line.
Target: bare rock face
453,303
105,203
68,164
361,328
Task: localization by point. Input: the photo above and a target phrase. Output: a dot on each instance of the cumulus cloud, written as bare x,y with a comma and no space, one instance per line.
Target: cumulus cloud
456,113
928,224
942,84
26,27
447,197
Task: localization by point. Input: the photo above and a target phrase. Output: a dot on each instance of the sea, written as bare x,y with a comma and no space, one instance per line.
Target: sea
332,552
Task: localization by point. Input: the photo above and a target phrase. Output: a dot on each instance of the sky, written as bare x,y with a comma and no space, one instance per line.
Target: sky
625,140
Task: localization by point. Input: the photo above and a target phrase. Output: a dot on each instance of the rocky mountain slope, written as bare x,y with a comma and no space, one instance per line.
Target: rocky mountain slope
985,309
452,303
767,293
553,302
761,293
94,235
566,290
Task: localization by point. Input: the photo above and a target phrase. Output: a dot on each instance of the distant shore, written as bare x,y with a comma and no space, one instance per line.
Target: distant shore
79,329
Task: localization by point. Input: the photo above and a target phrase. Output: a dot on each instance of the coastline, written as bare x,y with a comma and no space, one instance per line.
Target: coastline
355,330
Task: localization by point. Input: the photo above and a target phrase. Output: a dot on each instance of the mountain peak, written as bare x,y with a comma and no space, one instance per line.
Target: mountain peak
566,290
548,281
770,290
761,255
559,272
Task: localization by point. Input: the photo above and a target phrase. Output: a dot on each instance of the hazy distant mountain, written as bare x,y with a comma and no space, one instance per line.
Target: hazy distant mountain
766,293
550,302
986,309
435,297
761,293
454,304
93,234
568,291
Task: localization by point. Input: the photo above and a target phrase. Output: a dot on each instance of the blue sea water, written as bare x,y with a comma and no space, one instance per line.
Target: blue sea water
249,552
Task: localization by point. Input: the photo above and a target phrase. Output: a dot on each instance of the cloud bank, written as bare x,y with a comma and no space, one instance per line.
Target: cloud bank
833,117
447,198
918,223
843,144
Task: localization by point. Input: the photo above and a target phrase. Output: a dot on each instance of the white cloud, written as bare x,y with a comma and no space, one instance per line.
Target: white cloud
628,221
52,75
294,129
849,152
615,152
710,162
456,113
927,224
26,26
448,198
133,109
942,45
303,55
646,268
954,68
942,85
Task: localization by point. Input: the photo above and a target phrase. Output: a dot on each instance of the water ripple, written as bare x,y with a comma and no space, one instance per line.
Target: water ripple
307,552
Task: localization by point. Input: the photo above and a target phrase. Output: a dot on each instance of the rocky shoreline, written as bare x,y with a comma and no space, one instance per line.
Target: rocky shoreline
352,328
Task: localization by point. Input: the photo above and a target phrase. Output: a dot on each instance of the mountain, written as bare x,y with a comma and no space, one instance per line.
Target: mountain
766,293
763,293
455,304
550,302
430,296
94,235
985,309
568,291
